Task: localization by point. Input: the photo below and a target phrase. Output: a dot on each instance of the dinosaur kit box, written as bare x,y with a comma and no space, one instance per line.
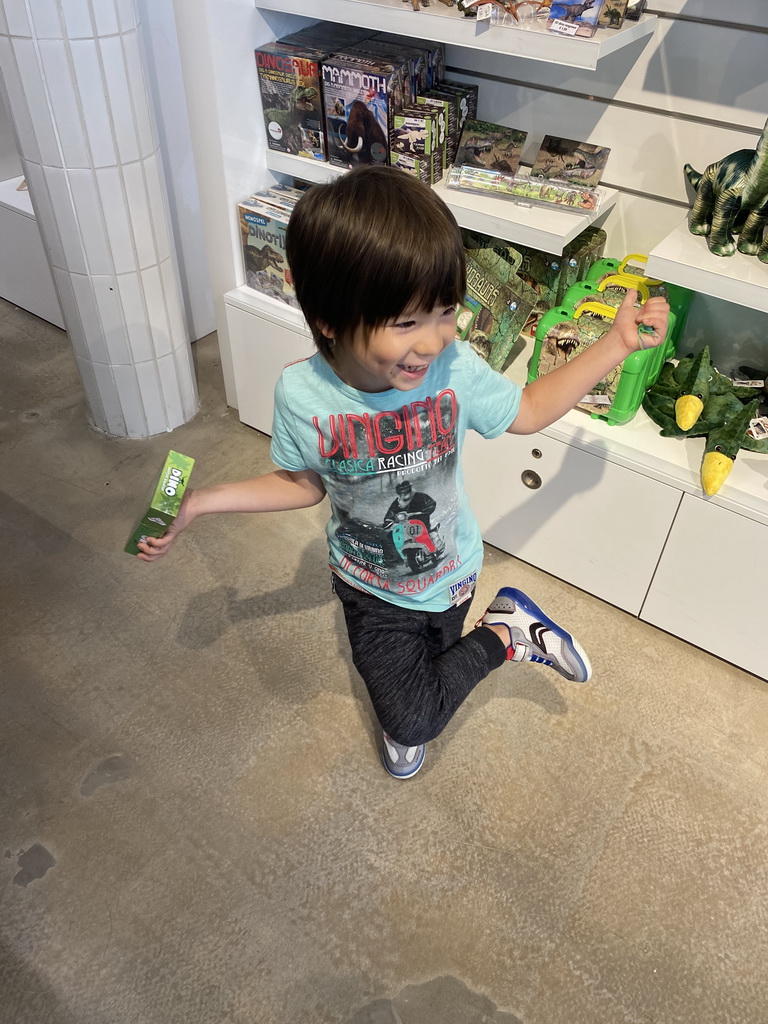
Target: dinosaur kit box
290,85
165,501
262,233
361,95
415,143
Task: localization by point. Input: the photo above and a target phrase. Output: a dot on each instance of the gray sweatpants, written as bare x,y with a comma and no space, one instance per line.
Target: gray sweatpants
416,665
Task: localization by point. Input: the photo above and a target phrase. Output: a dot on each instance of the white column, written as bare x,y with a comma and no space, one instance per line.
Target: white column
76,92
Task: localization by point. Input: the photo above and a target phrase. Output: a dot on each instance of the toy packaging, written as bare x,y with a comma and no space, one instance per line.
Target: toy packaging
492,147
165,501
566,17
289,80
262,233
612,14
284,197
327,35
522,187
466,107
503,304
451,103
412,61
570,161
360,97
414,146
563,333
435,53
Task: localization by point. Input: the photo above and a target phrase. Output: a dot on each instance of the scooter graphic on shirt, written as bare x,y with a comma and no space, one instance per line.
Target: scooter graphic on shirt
420,548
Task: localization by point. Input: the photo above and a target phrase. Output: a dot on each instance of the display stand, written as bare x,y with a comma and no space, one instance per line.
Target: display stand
25,276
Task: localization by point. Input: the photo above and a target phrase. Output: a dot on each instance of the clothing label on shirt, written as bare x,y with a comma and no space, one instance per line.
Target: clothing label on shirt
462,590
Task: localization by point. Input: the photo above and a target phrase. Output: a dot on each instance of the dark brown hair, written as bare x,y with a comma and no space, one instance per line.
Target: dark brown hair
367,247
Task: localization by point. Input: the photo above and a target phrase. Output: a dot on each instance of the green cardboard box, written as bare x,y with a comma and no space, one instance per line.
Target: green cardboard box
165,501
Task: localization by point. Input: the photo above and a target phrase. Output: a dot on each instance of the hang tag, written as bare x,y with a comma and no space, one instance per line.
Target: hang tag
564,28
484,12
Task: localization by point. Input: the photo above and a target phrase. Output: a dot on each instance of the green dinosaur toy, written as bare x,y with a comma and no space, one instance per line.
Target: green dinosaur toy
732,197
691,399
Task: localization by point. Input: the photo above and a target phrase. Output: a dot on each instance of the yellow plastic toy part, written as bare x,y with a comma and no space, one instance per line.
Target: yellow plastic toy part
626,281
638,257
595,307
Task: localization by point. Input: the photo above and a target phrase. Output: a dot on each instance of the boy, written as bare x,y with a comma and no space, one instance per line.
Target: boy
378,265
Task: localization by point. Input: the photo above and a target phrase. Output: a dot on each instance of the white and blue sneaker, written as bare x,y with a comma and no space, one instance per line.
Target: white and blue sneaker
400,761
533,636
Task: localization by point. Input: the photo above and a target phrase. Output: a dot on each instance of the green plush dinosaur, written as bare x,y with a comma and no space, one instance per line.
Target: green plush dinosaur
732,198
691,399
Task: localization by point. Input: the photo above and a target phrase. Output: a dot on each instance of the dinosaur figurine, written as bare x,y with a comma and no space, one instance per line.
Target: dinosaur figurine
692,399
732,198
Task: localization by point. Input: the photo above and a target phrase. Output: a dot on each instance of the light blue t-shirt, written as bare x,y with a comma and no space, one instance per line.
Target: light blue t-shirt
419,545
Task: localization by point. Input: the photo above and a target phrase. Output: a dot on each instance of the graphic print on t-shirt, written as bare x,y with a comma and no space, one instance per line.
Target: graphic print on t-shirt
391,478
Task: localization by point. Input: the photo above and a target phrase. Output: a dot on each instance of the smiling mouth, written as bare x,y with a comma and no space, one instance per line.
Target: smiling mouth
414,369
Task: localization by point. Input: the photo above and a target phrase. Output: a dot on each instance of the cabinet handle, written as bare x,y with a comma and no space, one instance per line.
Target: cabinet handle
531,479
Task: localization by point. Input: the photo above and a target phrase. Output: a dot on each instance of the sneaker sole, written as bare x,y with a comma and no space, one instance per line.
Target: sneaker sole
533,609
409,774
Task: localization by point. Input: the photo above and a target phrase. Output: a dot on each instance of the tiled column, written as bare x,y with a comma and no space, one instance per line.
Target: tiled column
75,87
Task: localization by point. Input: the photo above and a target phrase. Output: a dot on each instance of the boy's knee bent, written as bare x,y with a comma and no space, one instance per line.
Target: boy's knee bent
410,734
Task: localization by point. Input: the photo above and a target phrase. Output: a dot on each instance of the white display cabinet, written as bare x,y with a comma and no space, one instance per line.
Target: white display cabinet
25,277
616,511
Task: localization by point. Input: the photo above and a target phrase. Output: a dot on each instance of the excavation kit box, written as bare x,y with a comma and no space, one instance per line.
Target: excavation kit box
165,502
360,97
290,84
262,234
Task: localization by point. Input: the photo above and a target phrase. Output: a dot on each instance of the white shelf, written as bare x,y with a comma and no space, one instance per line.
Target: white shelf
533,224
280,313
11,199
448,25
684,259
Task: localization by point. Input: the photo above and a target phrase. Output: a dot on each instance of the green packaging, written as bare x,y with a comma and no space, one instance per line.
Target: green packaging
165,501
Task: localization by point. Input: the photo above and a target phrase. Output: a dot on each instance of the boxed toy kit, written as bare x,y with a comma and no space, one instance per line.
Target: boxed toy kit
290,84
435,53
360,97
262,233
414,145
164,504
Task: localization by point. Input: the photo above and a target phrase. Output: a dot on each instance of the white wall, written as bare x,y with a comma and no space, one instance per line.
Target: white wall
163,63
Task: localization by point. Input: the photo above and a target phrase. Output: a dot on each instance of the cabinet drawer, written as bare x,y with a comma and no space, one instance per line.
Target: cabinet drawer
710,588
594,524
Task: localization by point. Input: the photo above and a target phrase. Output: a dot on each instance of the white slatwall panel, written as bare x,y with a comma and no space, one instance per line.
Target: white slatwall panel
740,12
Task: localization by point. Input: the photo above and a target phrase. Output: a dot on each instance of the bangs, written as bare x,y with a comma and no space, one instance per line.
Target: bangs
430,271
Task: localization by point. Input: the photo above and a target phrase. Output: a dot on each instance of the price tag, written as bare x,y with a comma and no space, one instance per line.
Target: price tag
484,12
565,28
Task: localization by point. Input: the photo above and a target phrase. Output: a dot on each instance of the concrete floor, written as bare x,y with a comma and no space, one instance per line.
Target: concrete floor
194,824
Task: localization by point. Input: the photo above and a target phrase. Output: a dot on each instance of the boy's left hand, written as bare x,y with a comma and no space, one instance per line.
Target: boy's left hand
653,314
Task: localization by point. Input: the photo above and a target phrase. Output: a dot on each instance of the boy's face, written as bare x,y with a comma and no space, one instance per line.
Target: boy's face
399,354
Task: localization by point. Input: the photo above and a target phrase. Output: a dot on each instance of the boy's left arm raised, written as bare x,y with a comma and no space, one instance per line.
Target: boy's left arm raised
549,397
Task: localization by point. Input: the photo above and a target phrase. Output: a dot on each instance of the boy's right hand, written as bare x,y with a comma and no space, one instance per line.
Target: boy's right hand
155,547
